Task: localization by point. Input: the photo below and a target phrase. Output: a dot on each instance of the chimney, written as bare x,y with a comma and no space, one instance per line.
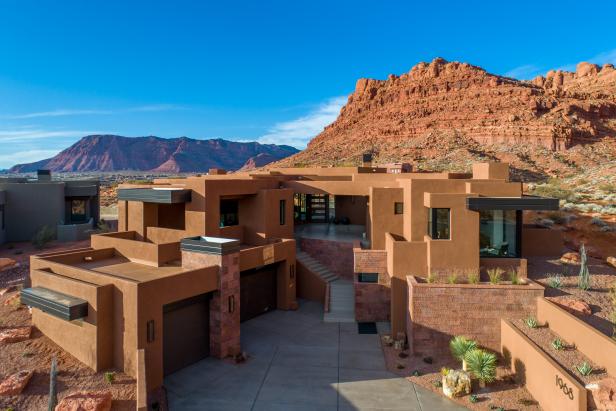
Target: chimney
43,175
367,160
217,171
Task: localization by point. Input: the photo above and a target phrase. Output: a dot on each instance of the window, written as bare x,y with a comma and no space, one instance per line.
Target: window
368,278
283,211
78,210
438,223
2,217
398,208
228,213
499,233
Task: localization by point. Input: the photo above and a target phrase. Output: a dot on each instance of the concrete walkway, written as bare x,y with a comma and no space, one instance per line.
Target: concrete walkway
298,362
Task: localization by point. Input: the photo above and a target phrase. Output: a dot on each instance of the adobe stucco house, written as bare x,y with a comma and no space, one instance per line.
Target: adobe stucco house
195,257
69,207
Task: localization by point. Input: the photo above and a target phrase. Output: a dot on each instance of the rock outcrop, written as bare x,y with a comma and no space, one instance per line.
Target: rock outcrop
16,334
90,401
14,384
404,116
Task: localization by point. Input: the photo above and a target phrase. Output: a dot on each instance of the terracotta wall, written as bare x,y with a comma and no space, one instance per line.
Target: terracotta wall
599,348
309,285
438,312
541,242
159,235
547,382
353,208
135,250
382,215
335,255
90,340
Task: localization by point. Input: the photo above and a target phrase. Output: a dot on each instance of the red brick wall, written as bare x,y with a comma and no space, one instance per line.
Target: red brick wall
437,312
335,255
372,301
369,261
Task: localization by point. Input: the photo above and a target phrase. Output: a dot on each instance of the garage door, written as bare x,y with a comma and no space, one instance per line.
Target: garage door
186,332
257,291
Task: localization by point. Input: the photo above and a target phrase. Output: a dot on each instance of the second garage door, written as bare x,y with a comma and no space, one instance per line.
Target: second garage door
258,291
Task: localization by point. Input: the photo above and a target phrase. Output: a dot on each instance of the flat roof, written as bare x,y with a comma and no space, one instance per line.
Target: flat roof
122,267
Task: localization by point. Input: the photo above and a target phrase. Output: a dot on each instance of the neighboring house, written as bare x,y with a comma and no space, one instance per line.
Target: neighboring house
69,207
195,257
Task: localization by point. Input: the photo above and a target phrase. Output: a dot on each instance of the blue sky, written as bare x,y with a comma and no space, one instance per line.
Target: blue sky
272,71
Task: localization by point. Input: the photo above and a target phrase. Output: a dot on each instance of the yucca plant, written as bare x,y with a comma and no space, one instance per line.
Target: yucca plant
558,344
473,277
459,346
584,276
482,365
514,276
495,275
531,322
555,281
585,369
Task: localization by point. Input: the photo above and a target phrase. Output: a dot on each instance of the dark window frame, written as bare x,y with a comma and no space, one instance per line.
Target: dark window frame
229,212
282,210
518,239
78,218
433,217
398,208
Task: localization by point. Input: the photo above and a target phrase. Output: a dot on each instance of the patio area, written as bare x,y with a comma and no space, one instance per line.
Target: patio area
332,232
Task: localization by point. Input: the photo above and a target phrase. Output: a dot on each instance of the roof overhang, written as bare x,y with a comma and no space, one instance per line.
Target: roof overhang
54,303
155,195
511,203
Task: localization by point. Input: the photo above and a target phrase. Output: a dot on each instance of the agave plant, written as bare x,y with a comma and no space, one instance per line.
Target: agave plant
482,365
459,346
585,369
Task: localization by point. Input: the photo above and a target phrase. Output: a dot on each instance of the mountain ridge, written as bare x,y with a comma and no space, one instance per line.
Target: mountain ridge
107,152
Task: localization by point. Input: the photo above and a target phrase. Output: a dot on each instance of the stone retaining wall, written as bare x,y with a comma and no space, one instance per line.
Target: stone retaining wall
335,255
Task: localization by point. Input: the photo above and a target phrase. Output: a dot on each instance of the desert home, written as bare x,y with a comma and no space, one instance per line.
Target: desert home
68,208
193,258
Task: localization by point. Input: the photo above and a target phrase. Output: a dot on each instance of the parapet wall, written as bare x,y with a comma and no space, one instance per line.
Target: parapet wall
438,312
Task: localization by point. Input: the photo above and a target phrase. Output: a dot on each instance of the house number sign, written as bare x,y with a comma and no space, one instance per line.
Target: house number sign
563,386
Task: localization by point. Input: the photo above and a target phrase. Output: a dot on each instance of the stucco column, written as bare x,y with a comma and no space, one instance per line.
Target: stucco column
198,252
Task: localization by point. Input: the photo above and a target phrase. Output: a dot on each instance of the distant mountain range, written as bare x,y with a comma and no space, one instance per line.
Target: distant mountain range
172,155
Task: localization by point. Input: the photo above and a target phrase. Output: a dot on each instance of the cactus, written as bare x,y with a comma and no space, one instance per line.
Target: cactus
584,276
53,391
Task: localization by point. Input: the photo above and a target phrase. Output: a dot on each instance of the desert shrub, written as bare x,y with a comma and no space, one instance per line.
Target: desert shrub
109,377
584,282
103,227
473,398
452,278
555,281
557,217
608,188
43,236
495,275
558,344
608,229
544,222
482,365
553,190
598,221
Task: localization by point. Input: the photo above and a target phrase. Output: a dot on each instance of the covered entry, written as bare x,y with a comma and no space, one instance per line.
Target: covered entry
258,291
186,332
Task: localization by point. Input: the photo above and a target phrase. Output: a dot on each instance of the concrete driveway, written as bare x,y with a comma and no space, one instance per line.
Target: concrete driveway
297,362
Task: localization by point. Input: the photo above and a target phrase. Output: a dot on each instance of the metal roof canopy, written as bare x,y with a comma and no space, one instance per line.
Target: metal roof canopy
511,203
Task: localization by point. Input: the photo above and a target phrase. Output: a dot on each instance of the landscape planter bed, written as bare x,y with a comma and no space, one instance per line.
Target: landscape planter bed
568,358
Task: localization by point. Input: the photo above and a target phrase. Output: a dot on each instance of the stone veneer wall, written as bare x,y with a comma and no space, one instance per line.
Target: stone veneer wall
224,323
437,312
335,255
372,301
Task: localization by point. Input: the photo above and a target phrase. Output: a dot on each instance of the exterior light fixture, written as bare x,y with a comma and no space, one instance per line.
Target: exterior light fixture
231,303
150,331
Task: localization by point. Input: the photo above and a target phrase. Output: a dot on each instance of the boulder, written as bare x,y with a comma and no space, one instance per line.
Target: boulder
575,306
14,384
86,401
456,383
6,263
602,395
611,261
16,334
570,258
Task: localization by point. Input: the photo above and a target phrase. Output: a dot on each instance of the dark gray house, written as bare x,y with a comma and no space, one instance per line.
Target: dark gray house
70,207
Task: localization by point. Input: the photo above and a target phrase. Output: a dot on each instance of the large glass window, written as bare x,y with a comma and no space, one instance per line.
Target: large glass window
283,211
228,213
438,223
78,210
499,233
